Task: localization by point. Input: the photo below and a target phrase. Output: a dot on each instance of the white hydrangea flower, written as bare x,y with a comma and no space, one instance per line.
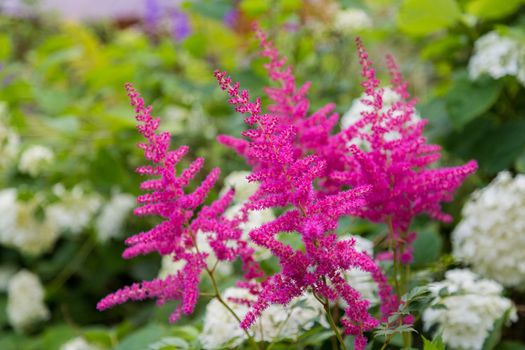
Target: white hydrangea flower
277,322
362,281
497,56
75,209
353,115
471,307
170,267
35,160
490,237
25,300
19,226
78,343
351,20
110,221
255,219
243,188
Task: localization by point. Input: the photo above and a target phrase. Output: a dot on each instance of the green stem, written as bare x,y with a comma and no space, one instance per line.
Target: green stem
217,294
401,277
334,327
221,300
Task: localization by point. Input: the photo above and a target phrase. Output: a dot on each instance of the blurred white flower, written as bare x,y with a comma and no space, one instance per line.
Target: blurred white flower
362,281
354,114
469,307
110,221
78,343
19,226
74,210
490,237
25,300
243,189
351,20
497,56
35,160
277,322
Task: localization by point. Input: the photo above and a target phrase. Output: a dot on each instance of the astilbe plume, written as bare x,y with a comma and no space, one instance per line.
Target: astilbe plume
290,107
176,235
286,180
398,163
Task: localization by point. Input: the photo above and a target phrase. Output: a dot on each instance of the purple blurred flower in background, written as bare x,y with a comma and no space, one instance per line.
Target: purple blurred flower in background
231,17
152,16
180,25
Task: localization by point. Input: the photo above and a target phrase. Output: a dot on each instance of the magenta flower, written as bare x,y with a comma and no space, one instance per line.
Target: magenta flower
398,164
177,234
286,180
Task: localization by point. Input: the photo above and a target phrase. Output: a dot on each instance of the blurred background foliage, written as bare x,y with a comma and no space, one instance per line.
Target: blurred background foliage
61,87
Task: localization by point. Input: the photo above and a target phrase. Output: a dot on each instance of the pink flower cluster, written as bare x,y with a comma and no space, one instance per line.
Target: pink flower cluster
398,163
176,235
314,175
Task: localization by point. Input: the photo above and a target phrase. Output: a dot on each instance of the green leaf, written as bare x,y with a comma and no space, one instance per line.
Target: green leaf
472,142
421,17
98,336
492,9
141,339
427,247
169,343
5,47
495,335
435,344
255,7
510,345
467,99
55,336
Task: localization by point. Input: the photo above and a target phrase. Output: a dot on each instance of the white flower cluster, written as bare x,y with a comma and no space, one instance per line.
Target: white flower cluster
170,267
78,343
19,226
9,140
469,307
360,280
25,300
490,237
35,160
75,209
354,114
350,20
277,322
110,221
243,189
497,56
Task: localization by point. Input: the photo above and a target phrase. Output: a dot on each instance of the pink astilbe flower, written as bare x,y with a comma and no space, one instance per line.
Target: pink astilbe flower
286,179
398,161
290,108
176,235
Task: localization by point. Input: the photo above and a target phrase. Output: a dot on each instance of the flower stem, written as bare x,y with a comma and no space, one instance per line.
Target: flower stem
221,300
401,277
334,327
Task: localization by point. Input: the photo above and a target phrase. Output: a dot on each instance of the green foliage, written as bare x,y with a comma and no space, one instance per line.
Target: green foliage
435,344
420,17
